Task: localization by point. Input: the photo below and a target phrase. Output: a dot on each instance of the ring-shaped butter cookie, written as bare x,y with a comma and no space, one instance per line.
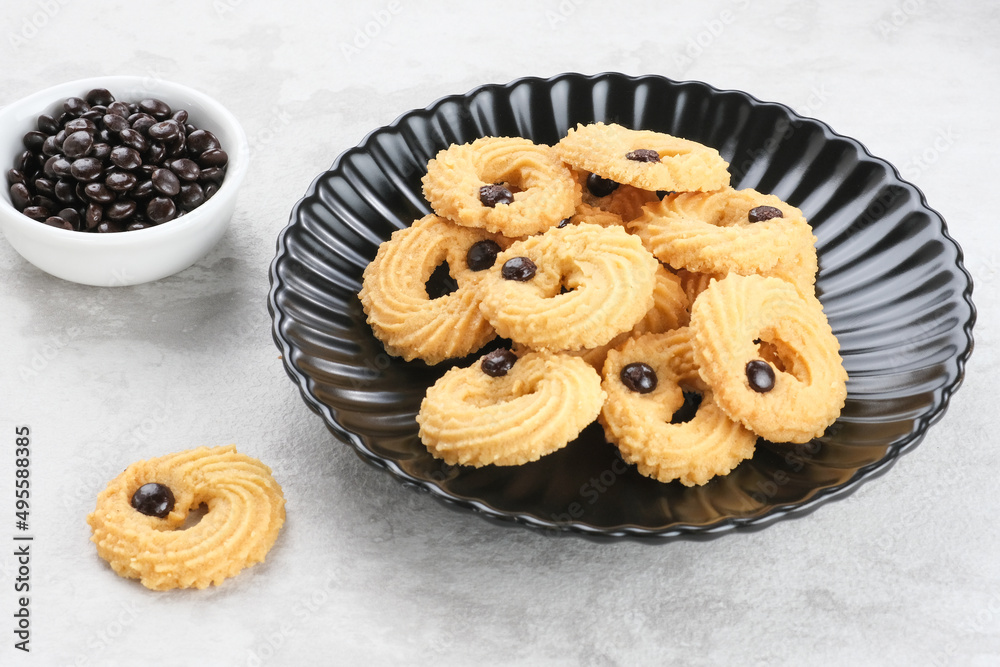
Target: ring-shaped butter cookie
394,296
504,410
645,380
139,523
570,288
770,357
730,231
507,185
643,159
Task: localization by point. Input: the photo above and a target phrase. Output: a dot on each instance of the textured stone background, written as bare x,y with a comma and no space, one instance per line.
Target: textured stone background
903,572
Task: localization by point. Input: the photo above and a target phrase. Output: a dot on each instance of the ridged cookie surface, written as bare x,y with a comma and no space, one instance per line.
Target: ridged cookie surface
743,319
470,418
544,192
640,424
245,511
590,284
683,165
403,316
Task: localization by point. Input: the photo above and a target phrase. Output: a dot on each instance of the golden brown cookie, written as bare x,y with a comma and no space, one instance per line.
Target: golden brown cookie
643,159
507,185
504,410
570,288
245,511
729,231
403,316
770,357
645,380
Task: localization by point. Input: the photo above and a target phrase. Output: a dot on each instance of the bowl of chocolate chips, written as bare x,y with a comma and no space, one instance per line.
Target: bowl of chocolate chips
118,180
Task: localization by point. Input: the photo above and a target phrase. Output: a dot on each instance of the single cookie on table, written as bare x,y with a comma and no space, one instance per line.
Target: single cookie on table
643,159
570,288
646,380
139,522
730,231
770,357
409,322
507,410
506,185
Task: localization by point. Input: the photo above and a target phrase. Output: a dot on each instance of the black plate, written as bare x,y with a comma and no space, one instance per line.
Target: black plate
891,280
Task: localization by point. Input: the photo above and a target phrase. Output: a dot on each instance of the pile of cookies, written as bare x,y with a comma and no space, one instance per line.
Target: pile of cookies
636,287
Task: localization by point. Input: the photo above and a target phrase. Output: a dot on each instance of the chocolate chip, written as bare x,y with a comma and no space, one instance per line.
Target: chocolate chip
122,209
156,108
164,130
56,221
33,141
520,269
19,195
85,169
153,499
166,182
643,155
78,144
99,97
125,157
186,170
161,209
639,377
760,375
98,192
564,222
81,124
489,195
191,196
600,186
762,213
47,124
200,141
75,107
120,181
498,362
482,255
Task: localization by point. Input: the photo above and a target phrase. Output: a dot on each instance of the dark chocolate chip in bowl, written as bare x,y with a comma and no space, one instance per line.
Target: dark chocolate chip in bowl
156,108
37,212
489,195
498,362
125,157
639,377
200,141
20,197
520,269
482,255
762,213
99,97
120,181
86,169
78,144
161,209
33,141
56,221
115,123
74,107
186,170
47,124
153,499
643,155
98,192
760,375
166,182
191,196
164,130
133,139
600,186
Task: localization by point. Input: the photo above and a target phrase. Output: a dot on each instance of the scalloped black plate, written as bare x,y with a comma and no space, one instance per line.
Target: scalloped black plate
891,280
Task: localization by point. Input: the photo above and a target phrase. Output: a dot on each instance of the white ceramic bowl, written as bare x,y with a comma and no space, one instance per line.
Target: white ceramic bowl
133,257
